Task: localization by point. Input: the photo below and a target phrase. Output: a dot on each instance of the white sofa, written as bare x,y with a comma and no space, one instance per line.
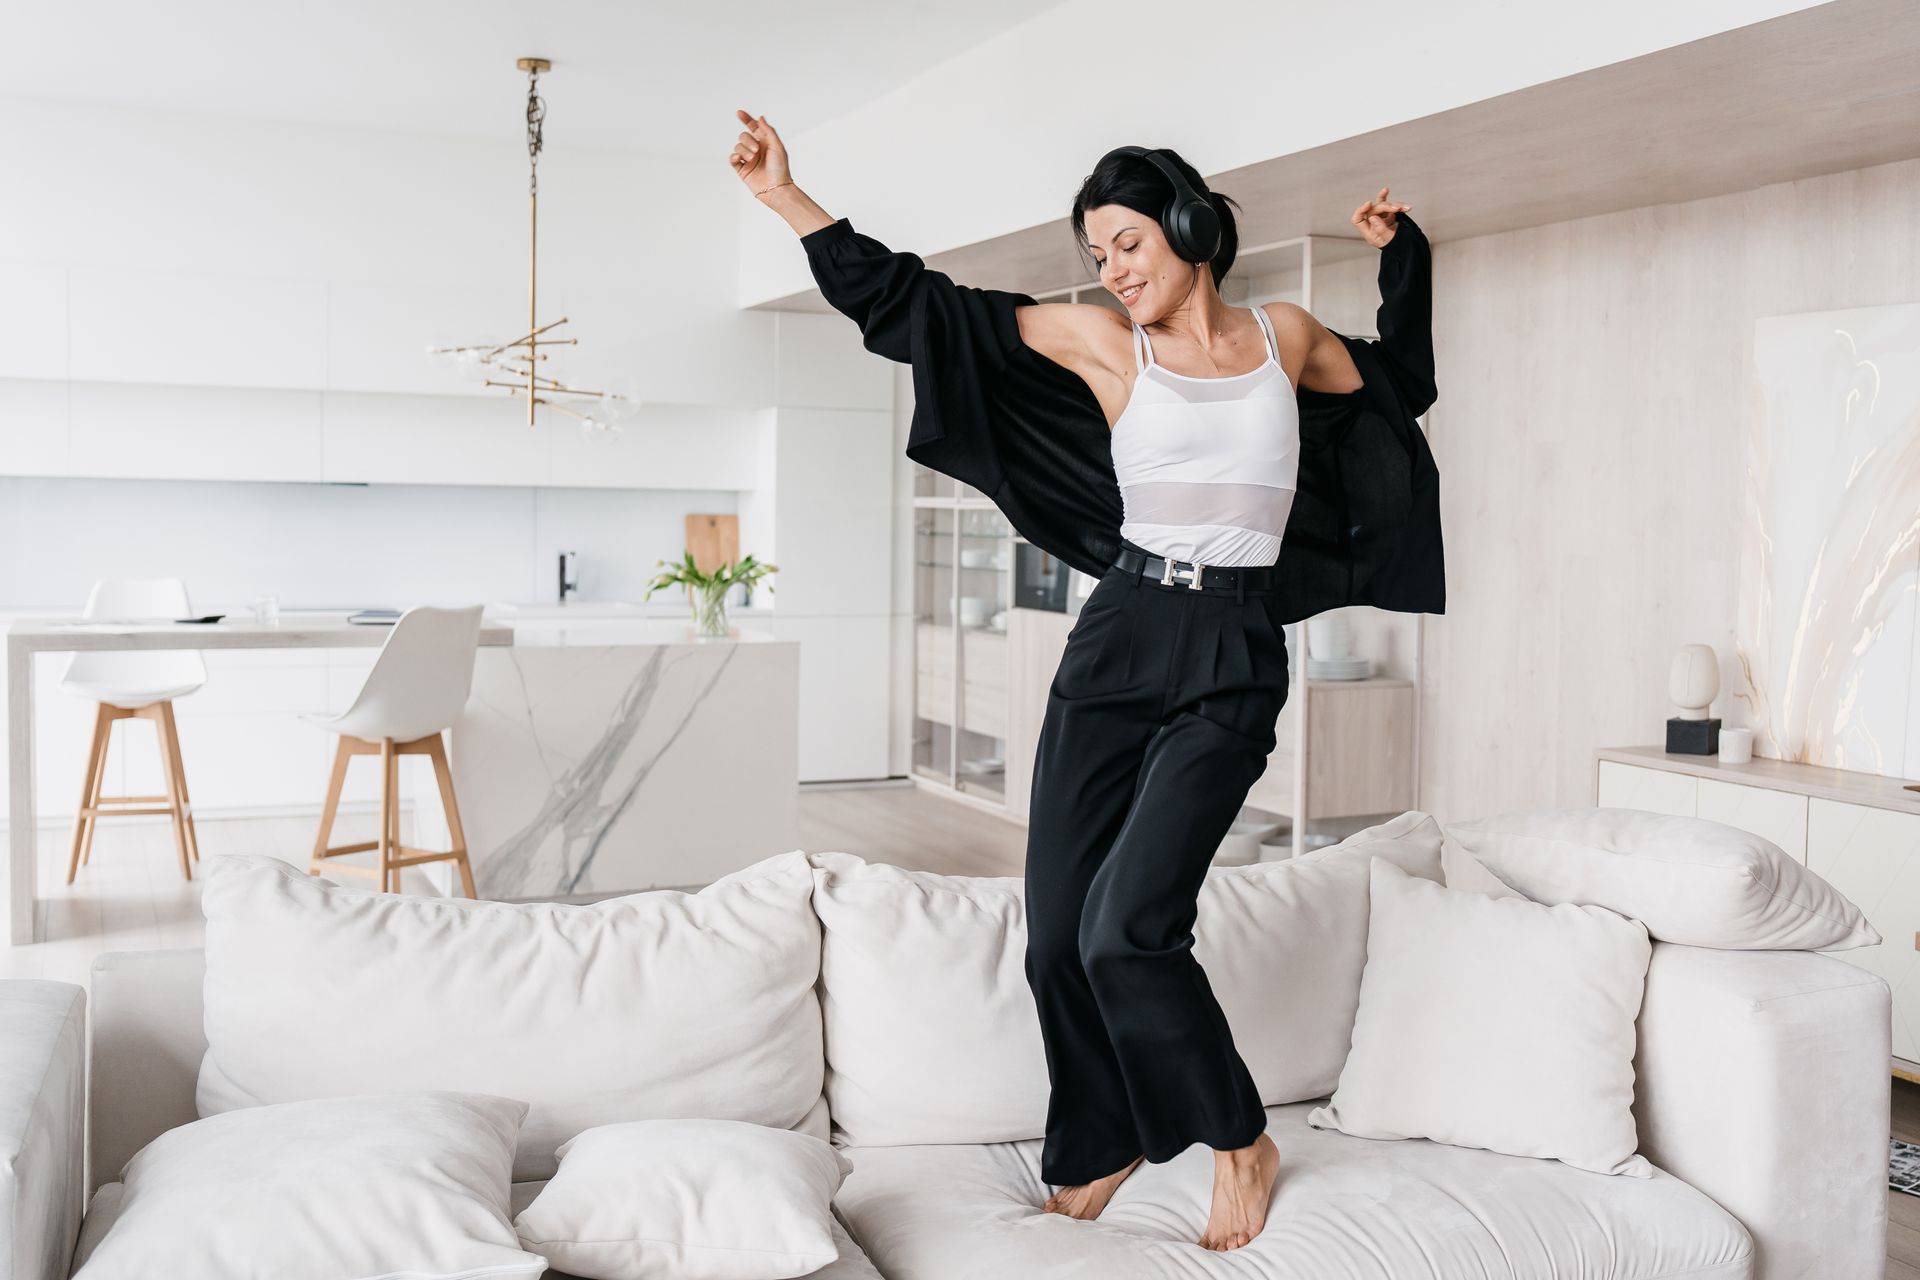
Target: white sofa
1762,1097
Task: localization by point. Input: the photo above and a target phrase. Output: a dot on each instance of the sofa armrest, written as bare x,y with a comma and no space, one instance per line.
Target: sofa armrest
43,1099
1763,1079
149,1035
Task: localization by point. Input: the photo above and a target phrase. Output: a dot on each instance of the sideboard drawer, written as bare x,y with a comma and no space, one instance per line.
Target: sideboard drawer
1625,786
1873,857
1779,816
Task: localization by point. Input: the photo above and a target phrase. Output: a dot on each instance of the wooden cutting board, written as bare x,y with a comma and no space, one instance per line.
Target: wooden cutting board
714,540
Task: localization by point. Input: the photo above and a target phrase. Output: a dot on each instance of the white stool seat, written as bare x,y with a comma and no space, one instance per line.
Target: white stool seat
135,678
115,693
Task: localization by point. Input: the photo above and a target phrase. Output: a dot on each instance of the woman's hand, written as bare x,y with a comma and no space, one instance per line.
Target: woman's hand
1376,219
760,158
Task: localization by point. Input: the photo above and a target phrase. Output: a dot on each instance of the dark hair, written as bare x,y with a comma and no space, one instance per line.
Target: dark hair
1137,183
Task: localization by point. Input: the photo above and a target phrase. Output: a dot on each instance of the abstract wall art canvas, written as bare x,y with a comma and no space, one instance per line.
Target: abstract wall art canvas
1828,638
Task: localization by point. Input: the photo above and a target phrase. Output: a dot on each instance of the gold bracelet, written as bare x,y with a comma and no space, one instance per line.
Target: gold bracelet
764,190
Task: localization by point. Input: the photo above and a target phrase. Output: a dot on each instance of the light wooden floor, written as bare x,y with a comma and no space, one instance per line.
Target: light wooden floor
131,896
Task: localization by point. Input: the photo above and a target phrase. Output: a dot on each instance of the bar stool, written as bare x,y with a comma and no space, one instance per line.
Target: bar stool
135,685
415,692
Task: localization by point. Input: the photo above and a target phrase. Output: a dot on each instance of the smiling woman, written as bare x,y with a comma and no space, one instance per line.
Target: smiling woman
1221,504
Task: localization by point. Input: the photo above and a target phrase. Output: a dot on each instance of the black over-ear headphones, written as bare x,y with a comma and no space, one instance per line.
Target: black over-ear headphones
1191,224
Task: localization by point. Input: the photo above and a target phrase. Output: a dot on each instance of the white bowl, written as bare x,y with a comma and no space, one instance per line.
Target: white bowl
1242,842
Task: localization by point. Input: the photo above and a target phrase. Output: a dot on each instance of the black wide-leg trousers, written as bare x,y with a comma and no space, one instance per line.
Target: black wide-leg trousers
1159,719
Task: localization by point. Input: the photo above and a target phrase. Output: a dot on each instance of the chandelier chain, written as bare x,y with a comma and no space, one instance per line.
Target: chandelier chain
536,115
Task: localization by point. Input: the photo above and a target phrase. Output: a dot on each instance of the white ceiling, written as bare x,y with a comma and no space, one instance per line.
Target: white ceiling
653,77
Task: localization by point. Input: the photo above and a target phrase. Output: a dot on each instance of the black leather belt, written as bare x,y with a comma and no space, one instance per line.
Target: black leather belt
1187,573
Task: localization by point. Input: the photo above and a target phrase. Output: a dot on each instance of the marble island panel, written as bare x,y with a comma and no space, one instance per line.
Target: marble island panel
607,756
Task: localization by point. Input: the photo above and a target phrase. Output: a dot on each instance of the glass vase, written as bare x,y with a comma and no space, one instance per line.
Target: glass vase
710,611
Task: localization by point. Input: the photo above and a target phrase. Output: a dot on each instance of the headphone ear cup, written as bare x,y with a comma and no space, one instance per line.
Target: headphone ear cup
1197,229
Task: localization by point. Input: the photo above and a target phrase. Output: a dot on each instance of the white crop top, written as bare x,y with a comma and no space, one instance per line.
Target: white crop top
1207,466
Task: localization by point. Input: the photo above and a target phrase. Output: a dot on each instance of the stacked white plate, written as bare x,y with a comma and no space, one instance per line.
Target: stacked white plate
1338,668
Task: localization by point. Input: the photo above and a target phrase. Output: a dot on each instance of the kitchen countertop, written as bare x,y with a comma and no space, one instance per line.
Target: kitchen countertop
544,625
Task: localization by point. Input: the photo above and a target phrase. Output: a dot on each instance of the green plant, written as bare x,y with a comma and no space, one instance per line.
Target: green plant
744,570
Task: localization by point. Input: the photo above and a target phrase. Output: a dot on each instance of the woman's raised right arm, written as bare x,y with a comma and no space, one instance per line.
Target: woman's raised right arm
875,286
859,277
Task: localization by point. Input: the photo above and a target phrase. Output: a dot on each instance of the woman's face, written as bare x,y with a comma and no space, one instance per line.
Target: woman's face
1137,265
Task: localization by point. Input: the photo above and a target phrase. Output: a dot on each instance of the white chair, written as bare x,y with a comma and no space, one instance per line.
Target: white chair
415,692
135,685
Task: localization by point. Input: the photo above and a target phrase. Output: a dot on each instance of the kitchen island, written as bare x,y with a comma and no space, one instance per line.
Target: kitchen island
603,755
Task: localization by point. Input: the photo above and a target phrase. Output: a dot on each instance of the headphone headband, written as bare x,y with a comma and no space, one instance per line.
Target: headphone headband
1190,222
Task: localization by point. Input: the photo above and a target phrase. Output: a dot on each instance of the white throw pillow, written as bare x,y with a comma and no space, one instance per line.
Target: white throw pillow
377,1185
1495,1022
1689,880
931,1031
655,1004
688,1200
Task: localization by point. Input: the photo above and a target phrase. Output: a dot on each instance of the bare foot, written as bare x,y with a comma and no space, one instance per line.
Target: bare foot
1087,1199
1242,1184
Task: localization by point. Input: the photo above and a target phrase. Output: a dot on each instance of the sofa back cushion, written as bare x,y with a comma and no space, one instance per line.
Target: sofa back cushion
654,1005
931,1030
1690,880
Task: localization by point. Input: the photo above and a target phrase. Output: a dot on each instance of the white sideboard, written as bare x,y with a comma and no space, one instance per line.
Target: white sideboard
1858,831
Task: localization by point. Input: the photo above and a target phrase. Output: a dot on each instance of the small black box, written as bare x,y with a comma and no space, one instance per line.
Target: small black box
1693,737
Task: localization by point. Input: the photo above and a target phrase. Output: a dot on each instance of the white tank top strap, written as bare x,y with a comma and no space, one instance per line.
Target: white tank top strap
1143,349
1273,343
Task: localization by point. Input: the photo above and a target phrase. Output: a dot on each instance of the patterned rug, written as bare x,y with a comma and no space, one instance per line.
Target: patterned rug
1903,1167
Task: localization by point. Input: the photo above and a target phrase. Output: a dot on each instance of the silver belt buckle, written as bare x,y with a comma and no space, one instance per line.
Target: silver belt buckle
1168,572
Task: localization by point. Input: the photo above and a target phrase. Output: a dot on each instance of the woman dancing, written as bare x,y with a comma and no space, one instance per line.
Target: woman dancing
1162,712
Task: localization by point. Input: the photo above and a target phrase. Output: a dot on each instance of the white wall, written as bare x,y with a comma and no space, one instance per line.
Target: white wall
1596,386
998,138
220,251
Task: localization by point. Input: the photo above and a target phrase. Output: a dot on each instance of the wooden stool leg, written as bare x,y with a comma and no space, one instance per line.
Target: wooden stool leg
99,781
152,711
180,779
389,813
437,748
336,782
89,789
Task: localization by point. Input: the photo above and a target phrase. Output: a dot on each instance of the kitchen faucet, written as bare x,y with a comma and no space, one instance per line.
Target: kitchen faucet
569,574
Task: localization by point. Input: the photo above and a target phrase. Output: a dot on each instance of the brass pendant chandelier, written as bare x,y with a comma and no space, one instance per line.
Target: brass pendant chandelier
520,358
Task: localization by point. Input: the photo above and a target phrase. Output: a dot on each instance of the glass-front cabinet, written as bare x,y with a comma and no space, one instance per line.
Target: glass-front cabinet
963,587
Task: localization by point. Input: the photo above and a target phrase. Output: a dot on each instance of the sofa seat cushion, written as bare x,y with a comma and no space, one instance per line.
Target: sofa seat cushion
1345,1208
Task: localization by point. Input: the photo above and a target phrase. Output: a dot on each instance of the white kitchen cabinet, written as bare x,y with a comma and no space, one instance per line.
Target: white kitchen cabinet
195,328
148,432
